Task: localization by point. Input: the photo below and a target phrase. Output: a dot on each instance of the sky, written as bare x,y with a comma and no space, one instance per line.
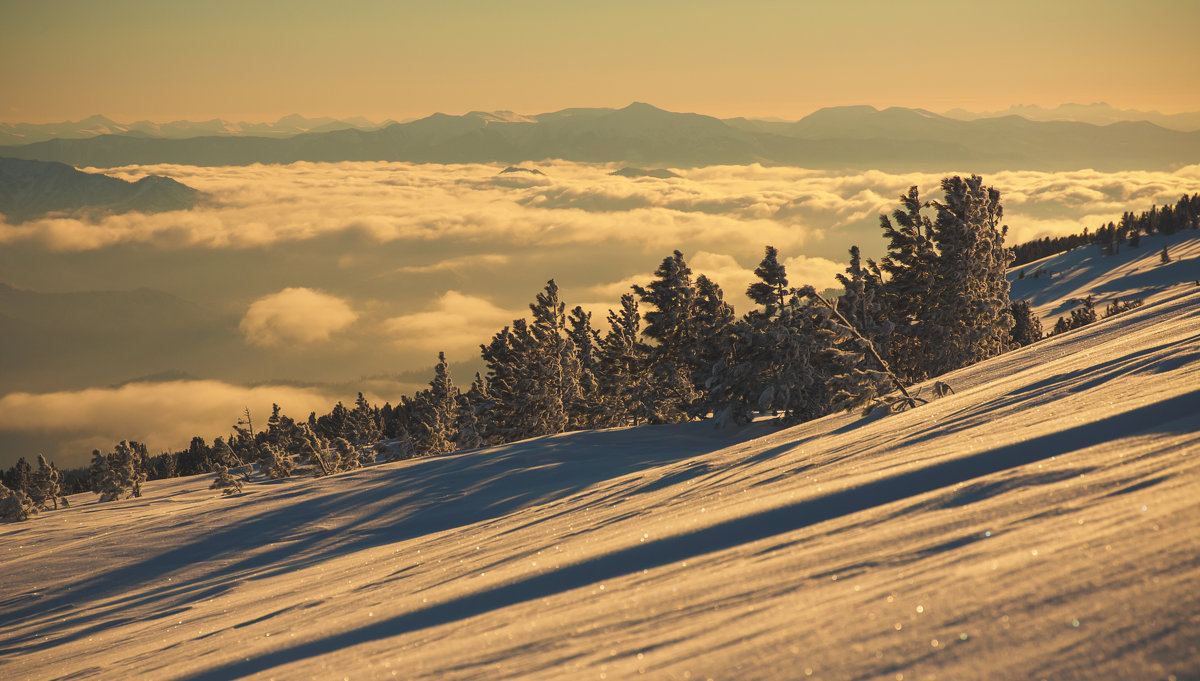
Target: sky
139,59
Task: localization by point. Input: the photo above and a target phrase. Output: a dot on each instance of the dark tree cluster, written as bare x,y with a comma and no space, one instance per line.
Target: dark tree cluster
1086,313
1168,219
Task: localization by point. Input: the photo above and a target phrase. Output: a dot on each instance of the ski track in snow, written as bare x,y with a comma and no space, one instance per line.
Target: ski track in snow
1041,522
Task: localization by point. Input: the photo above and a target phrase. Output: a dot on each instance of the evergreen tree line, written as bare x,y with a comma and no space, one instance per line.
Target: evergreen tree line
1168,219
674,350
1086,313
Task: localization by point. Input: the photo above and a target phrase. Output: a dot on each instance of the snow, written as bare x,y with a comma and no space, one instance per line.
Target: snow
1069,277
1041,522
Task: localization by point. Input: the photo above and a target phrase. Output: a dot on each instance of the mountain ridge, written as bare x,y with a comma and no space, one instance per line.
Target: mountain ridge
31,188
859,137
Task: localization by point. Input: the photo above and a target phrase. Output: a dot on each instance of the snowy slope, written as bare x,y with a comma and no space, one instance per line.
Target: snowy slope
1042,522
1055,284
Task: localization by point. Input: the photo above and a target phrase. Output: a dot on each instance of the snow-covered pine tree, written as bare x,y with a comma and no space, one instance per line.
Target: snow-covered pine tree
771,291
436,415
738,380
274,462
317,452
22,475
123,477
344,455
775,365
15,504
476,427
583,410
626,386
858,376
364,423
1027,328
97,471
553,368
44,489
506,356
469,430
909,266
226,482
862,302
403,449
671,324
968,319
1084,314
282,431
714,323
336,423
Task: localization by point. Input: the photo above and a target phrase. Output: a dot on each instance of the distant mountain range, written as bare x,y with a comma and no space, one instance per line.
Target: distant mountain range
1097,114
92,126
30,189
856,137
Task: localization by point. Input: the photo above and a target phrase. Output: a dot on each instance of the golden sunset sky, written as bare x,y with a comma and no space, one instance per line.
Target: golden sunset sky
262,60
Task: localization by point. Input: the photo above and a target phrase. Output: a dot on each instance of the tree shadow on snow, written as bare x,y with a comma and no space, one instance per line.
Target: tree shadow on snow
387,505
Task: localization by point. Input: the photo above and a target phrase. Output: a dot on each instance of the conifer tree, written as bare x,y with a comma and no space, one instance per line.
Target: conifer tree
627,386
44,488
363,423
863,302
123,476
319,453
337,423
482,404
506,356
274,462
771,291
1027,328
15,504
226,482
436,413
671,323
714,320
582,410
968,318
860,376
97,472
22,475
554,363
346,456
909,266
774,362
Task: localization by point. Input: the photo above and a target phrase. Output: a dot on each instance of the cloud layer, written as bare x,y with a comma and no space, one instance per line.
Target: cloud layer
162,415
573,203
456,324
295,316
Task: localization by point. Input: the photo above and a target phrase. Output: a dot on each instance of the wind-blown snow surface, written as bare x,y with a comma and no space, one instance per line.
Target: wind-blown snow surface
1042,522
1056,284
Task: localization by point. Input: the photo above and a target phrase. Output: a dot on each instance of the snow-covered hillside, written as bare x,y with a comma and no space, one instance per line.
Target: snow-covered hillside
1055,284
1041,522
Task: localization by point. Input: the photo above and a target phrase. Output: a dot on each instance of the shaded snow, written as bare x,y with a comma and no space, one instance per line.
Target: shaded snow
1067,278
1041,522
